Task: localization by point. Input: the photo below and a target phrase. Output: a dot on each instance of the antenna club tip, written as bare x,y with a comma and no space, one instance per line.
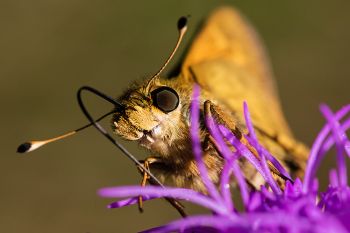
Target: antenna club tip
24,147
182,22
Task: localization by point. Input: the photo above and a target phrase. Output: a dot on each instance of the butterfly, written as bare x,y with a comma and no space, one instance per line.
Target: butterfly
228,62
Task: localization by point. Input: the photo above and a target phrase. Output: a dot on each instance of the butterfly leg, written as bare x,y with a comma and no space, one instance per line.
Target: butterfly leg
145,177
298,151
232,123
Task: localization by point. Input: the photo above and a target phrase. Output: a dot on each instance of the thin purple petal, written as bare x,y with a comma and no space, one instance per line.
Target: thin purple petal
197,148
225,186
250,157
158,192
230,164
258,147
340,138
329,142
272,159
333,178
127,202
314,157
241,148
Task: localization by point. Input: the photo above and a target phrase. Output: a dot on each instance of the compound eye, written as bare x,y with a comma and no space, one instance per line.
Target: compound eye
165,98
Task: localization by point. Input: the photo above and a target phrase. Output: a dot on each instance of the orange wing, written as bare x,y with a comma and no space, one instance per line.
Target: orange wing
228,60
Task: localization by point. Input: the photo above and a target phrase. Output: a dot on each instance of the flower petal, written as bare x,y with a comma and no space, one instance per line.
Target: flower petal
266,174
157,192
230,164
258,147
197,148
340,139
315,156
127,202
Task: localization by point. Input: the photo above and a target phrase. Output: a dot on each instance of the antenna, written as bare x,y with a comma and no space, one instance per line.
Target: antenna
182,28
33,145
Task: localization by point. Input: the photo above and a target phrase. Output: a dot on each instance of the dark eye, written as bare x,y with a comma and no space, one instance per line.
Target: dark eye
165,98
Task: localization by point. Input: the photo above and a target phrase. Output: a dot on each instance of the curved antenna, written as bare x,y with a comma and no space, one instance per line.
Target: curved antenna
182,28
33,145
104,132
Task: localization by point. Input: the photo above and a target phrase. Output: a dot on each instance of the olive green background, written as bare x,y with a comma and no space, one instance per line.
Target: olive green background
48,49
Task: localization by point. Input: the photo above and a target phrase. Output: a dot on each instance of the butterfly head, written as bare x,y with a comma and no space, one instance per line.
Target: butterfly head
150,115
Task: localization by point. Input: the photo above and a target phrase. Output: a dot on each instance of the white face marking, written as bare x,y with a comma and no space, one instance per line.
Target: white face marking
157,130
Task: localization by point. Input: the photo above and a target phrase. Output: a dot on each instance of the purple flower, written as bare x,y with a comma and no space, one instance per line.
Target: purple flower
299,208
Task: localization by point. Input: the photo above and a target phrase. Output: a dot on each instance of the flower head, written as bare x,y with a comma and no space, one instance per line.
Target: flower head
300,207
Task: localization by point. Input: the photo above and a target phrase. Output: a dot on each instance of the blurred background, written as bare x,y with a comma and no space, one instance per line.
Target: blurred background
51,48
